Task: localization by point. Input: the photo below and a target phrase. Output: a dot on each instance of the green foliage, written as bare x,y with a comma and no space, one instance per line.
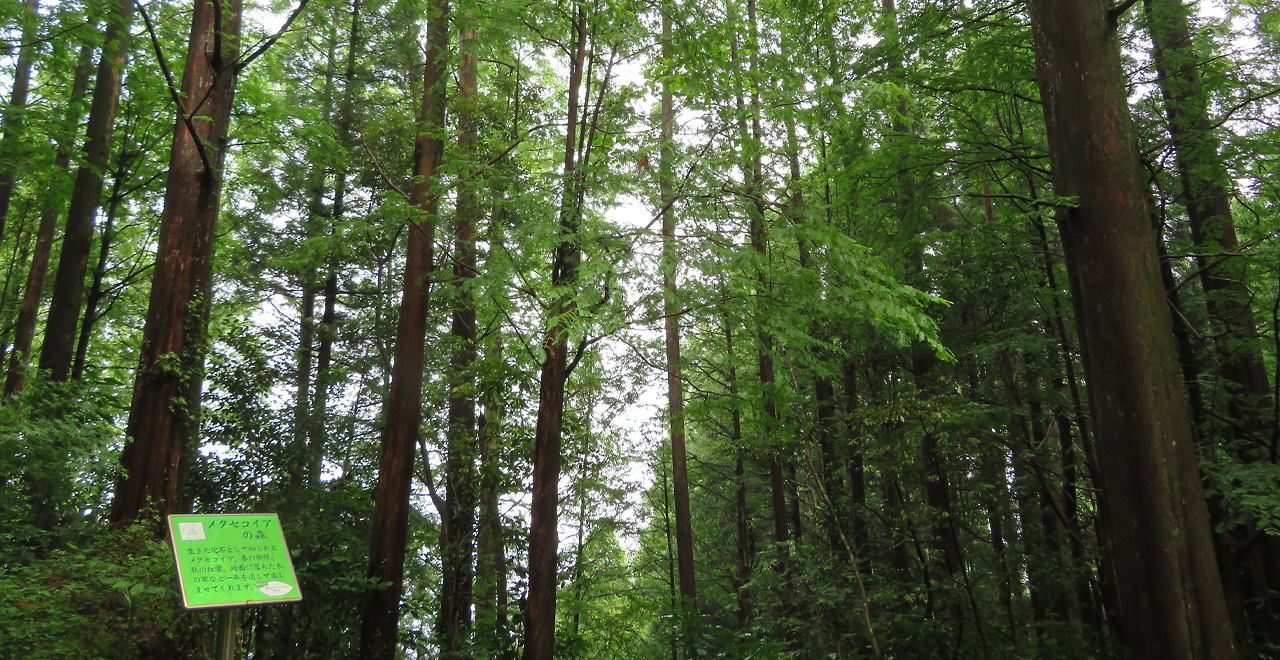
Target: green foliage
113,597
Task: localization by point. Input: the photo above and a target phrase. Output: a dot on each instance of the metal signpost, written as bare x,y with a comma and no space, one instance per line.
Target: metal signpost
229,561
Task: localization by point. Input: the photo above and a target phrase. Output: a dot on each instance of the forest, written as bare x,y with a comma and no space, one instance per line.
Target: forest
636,329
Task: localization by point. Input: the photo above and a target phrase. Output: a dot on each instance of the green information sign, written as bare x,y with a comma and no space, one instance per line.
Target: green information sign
232,560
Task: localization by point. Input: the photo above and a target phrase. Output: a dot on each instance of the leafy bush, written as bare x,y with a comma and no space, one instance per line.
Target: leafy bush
113,599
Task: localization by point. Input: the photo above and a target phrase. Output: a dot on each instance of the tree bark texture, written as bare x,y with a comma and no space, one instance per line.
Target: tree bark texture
25,327
540,632
163,415
15,114
58,348
404,401
675,380
491,573
1154,514
457,543
1206,194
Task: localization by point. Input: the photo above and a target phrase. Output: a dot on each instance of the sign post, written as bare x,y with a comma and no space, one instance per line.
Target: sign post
229,561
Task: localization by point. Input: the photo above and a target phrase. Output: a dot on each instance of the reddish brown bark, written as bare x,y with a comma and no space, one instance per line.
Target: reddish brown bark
540,631
1155,519
14,115
675,381
57,349
163,416
25,326
404,401
96,291
1206,193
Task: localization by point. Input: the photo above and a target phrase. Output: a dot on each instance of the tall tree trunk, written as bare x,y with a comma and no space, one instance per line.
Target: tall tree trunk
491,574
58,348
1155,516
404,400
745,551
96,291
1206,194
752,163
857,461
540,633
17,261
675,381
328,321
24,331
162,417
15,114
457,541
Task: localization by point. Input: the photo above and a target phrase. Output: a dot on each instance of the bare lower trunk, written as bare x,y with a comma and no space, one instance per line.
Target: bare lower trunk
491,574
162,418
1154,514
14,115
404,401
540,632
58,348
25,328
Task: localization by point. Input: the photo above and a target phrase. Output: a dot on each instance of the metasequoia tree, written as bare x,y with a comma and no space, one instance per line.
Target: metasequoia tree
457,537
403,406
163,417
1206,193
1153,509
328,320
57,349
671,317
25,326
540,627
15,114
758,235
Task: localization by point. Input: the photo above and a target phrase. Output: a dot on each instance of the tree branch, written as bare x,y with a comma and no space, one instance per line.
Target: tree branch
173,91
302,4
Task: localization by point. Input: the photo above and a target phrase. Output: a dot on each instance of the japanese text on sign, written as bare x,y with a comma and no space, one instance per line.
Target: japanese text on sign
227,560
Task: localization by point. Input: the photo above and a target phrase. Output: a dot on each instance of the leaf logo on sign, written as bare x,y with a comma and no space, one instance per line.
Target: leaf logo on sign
274,588
191,531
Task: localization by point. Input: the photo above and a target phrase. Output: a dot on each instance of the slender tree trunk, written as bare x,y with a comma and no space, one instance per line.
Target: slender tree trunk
24,331
675,382
759,238
58,348
328,322
404,400
15,114
96,292
17,261
742,574
491,576
163,416
302,377
1206,193
304,418
856,466
540,633
1157,523
457,544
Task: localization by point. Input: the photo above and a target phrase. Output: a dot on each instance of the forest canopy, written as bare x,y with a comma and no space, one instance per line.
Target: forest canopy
615,329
